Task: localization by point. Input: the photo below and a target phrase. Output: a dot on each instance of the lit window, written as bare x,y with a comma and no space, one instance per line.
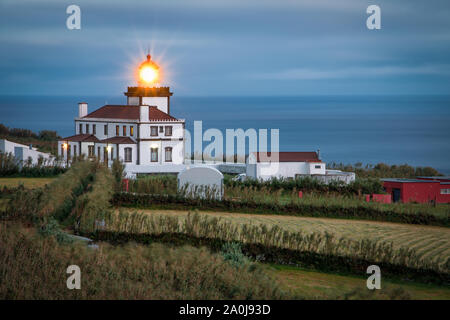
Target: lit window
168,155
131,131
154,155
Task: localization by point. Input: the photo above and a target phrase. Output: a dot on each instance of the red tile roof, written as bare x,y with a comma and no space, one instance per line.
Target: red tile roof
118,140
81,138
287,156
129,113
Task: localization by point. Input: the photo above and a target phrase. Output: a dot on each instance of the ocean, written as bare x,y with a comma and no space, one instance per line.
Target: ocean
348,129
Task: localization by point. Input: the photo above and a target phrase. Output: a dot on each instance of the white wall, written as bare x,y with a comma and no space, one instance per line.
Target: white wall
162,103
100,131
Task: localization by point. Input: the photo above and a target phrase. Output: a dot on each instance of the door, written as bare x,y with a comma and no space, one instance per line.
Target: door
395,195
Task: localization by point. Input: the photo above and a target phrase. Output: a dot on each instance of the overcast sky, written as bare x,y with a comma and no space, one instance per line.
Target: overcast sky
232,47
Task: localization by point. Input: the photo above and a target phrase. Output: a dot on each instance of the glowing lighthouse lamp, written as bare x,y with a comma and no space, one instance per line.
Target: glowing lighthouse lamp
148,73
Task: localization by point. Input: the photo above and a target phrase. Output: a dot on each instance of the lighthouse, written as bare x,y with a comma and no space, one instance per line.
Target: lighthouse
143,133
148,75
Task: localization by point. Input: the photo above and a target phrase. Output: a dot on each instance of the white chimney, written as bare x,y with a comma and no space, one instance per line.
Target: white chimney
143,113
82,109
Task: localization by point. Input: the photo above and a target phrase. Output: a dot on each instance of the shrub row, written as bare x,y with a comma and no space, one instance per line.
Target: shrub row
309,184
10,167
293,209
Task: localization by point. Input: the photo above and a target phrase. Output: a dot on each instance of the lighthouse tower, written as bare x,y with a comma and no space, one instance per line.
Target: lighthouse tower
147,93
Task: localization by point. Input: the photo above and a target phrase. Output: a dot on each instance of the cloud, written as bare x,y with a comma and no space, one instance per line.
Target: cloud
352,72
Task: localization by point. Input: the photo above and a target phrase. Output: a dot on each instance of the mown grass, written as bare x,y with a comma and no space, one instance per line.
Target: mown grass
34,267
429,242
319,285
31,183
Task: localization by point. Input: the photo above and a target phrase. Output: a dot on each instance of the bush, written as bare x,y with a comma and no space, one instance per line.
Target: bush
232,252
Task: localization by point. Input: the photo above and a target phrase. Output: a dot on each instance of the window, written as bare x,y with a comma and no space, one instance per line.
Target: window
161,129
105,130
62,150
91,151
128,157
105,154
168,155
154,155
131,131
81,128
74,151
445,191
87,128
117,130
317,166
94,129
98,153
168,131
68,151
153,131
124,130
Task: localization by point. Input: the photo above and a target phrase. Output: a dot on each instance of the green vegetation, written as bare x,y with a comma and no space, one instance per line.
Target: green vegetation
319,285
248,202
80,200
427,241
382,170
34,267
10,166
270,198
324,251
29,183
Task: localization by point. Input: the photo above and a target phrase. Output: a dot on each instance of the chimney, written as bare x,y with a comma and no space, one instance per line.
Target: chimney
82,109
143,113
318,154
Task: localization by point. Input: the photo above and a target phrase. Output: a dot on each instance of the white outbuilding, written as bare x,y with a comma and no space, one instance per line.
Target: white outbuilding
202,182
267,165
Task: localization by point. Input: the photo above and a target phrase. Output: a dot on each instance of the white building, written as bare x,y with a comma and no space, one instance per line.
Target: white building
24,154
142,134
264,166
261,165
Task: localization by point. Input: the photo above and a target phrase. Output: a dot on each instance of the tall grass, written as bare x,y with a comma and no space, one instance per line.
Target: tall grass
269,239
34,267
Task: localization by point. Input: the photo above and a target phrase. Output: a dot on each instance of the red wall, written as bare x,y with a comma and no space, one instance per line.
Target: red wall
421,192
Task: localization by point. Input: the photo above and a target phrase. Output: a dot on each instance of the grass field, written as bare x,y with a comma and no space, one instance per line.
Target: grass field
27,182
317,285
431,242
